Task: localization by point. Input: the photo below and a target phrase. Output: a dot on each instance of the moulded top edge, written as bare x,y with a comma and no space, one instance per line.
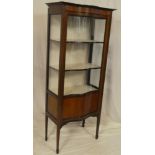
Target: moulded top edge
79,5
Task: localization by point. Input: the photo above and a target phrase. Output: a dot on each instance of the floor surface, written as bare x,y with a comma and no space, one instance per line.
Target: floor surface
76,140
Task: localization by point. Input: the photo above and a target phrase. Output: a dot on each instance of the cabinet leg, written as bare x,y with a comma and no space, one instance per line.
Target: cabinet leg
97,126
58,137
83,122
46,127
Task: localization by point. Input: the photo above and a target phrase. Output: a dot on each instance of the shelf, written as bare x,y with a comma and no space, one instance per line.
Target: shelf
79,41
77,67
78,90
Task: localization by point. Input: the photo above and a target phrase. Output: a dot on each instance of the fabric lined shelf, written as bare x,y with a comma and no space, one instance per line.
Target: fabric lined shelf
75,90
77,67
79,41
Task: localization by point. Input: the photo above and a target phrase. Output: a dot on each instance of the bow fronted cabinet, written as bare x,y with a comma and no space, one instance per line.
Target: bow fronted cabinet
77,49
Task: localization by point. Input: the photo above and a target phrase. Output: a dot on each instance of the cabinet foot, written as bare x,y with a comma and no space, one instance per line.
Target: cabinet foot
96,136
58,137
46,127
97,126
46,138
83,123
57,151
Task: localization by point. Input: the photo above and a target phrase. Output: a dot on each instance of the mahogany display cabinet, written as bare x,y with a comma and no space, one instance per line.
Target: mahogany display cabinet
77,49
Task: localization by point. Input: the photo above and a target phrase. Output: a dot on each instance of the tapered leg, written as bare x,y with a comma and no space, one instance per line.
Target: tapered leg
83,122
97,126
46,127
58,137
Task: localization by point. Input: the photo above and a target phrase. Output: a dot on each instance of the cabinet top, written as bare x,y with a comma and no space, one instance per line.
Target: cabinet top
78,5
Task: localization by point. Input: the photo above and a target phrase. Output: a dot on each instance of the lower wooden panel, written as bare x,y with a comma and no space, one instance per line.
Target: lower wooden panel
52,105
78,106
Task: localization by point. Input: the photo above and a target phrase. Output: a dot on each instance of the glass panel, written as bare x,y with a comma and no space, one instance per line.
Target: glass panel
97,51
54,53
78,28
96,59
99,29
55,27
76,55
53,81
85,41
95,77
76,83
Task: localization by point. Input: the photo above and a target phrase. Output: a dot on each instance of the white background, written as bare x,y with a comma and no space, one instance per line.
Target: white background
138,97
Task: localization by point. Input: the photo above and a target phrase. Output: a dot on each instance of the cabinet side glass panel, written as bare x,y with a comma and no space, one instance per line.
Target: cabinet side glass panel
99,29
54,53
97,50
94,74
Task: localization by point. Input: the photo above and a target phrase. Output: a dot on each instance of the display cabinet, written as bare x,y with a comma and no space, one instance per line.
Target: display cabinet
77,48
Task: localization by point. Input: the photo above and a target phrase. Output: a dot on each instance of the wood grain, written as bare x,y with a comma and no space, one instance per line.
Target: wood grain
52,105
77,106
